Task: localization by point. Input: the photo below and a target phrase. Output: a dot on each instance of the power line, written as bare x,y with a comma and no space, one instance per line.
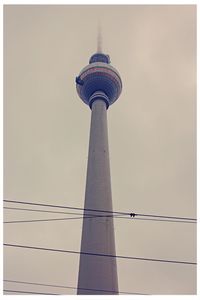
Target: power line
156,220
42,220
89,215
103,211
69,287
41,210
58,219
66,207
101,254
84,216
28,292
61,212
95,216
166,217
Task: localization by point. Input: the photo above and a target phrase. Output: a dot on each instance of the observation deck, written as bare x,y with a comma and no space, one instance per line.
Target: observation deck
99,76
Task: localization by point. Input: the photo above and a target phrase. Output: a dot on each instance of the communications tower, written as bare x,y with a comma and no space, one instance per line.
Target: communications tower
98,85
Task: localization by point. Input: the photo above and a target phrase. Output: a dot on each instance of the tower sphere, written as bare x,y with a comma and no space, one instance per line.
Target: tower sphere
99,78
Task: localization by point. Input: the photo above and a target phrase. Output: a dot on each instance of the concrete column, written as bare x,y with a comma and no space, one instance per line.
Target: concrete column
95,272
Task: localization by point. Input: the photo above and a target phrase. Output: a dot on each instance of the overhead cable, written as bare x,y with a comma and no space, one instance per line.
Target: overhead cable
94,217
69,287
101,254
28,292
102,211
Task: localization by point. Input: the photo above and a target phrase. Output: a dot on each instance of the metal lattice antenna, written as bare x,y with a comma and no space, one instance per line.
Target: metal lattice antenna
99,40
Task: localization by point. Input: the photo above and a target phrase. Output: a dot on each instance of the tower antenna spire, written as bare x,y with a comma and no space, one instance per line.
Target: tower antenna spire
99,39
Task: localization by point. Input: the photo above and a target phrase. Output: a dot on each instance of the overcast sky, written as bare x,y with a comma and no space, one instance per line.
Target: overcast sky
152,140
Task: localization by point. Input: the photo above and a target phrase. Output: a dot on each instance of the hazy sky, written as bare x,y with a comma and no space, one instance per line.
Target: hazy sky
152,140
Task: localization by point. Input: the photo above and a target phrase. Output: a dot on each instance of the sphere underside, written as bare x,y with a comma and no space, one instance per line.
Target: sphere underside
99,77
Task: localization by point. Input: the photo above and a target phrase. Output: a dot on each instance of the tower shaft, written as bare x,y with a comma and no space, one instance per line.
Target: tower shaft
98,274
